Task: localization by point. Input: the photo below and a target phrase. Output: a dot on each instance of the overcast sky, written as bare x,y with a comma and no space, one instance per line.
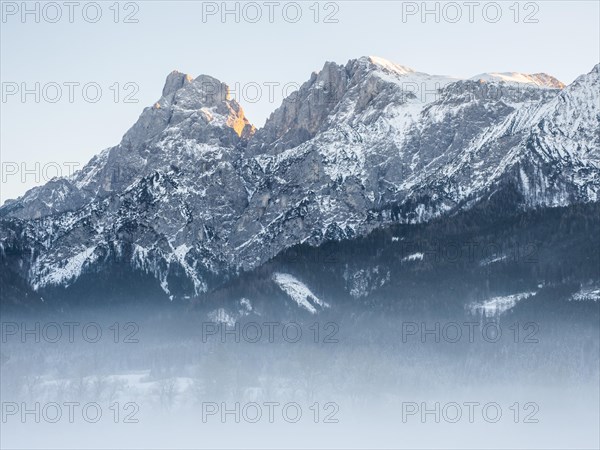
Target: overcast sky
251,48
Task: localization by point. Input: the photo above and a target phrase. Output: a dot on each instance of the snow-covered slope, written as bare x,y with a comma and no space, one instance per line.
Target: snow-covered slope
299,292
194,193
497,305
536,79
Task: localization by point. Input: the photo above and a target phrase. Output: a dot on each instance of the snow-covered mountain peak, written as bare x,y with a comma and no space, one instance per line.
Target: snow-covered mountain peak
542,80
191,115
356,94
546,80
387,65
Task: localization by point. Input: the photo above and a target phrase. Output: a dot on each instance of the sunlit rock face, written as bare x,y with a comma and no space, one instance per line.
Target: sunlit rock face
193,193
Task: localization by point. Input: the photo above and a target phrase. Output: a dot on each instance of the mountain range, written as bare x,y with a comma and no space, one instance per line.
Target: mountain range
194,198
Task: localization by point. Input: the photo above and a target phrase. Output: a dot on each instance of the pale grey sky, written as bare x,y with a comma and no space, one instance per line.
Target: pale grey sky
283,45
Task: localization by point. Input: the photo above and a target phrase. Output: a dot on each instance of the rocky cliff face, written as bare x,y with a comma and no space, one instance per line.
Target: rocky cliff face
191,113
193,193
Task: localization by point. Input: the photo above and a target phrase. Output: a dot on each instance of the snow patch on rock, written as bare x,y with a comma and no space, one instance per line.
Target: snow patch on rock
66,272
298,292
414,257
587,294
498,305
